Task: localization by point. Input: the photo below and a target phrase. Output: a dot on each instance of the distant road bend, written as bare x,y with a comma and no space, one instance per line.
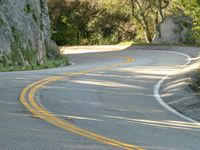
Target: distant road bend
107,100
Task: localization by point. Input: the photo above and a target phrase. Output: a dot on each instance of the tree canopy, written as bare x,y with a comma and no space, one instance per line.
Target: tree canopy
89,22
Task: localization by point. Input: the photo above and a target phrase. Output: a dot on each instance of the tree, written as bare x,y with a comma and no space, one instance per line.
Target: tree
90,21
148,13
70,20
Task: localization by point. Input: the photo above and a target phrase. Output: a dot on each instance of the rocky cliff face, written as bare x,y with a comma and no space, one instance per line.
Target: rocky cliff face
174,30
24,32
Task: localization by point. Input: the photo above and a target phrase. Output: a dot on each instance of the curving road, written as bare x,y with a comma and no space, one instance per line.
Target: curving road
108,100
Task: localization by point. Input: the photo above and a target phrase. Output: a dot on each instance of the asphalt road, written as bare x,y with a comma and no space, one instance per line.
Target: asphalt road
106,94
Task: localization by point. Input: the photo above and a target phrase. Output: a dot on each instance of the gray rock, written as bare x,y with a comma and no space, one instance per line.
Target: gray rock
25,32
173,30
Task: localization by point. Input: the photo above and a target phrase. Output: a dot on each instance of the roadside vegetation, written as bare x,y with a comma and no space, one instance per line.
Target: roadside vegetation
49,63
192,9
92,22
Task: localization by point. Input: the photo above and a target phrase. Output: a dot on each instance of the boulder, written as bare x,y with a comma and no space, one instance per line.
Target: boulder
25,32
173,30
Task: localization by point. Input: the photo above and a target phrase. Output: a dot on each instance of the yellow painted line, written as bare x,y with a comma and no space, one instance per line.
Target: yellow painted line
62,124
27,99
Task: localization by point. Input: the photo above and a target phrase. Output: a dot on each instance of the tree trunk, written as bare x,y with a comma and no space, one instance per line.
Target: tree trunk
148,36
78,37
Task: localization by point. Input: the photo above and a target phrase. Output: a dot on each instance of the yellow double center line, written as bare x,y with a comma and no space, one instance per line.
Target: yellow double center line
27,99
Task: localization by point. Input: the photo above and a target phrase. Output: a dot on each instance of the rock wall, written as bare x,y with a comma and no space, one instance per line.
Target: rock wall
25,32
173,30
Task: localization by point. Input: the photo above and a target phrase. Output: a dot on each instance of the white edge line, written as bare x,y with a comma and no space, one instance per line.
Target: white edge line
157,95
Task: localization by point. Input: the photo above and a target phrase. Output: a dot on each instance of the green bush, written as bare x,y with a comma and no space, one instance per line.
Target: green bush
193,37
60,38
85,23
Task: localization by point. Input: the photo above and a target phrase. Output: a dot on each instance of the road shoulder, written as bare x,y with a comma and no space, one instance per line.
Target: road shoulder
176,92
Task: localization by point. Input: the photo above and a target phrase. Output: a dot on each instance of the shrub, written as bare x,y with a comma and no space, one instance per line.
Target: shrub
193,37
88,23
